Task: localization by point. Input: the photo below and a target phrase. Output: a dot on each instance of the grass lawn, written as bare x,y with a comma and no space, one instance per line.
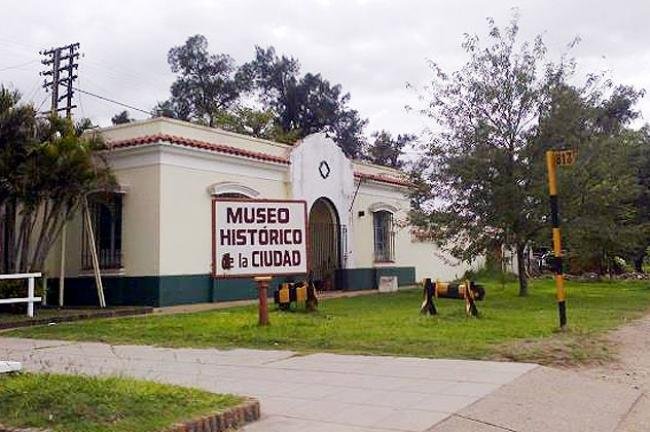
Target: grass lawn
510,326
87,404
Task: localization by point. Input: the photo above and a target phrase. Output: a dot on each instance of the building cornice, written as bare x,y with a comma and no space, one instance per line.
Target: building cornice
382,179
154,139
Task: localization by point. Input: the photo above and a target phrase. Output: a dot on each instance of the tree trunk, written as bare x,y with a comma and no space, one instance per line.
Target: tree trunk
10,236
3,244
521,270
638,263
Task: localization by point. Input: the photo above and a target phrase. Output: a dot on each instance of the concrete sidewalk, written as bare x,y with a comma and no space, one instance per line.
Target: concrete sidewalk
318,392
545,400
329,392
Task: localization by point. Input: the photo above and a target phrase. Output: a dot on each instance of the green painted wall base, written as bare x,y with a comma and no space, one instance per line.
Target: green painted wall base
160,291
368,278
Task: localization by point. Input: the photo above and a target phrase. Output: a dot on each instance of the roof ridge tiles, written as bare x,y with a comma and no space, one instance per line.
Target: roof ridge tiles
237,151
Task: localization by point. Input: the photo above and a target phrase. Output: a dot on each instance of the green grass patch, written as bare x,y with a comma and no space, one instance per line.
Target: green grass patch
88,404
389,324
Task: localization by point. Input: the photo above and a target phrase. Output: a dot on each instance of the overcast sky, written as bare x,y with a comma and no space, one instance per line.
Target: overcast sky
372,48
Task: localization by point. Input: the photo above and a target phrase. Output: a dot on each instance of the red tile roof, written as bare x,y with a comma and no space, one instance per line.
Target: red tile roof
227,149
219,148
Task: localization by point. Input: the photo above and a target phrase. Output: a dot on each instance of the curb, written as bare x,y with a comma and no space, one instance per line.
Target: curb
123,312
232,418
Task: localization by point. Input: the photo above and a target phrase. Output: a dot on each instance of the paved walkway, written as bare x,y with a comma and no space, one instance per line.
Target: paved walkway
343,393
318,392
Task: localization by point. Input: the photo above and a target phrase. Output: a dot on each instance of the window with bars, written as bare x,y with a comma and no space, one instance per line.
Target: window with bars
106,218
384,236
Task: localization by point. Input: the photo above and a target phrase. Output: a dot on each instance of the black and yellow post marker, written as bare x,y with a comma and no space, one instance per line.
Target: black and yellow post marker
470,305
429,292
553,159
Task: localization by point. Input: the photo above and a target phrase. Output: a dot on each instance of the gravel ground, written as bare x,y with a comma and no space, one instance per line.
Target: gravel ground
631,367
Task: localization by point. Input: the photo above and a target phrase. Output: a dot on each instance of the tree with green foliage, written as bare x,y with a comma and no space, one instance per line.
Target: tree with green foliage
257,123
386,150
641,167
206,85
599,193
17,132
46,168
481,179
121,118
486,178
304,103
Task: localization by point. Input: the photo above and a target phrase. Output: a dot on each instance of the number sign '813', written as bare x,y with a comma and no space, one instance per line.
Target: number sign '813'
565,157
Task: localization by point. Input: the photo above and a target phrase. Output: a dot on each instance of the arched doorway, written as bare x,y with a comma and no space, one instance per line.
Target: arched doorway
325,244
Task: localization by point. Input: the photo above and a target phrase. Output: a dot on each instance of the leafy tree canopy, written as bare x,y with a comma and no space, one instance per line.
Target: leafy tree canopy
496,116
267,97
46,168
206,84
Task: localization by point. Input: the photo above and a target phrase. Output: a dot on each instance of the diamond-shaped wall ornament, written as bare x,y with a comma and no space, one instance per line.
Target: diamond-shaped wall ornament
324,169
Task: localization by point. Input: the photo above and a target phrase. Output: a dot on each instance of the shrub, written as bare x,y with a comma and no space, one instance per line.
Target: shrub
490,273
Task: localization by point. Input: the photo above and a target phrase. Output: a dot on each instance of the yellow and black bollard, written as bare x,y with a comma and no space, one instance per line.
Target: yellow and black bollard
566,158
470,305
429,292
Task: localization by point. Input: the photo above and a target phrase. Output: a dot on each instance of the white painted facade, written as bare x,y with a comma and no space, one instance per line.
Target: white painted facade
169,171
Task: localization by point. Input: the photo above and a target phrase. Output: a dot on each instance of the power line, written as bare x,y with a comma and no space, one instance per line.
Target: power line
113,101
18,66
42,103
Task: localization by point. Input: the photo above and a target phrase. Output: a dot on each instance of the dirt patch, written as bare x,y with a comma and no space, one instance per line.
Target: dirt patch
563,350
630,366
621,356
631,362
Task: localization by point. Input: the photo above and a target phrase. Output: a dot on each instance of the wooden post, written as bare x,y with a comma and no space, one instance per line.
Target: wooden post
93,254
262,289
62,268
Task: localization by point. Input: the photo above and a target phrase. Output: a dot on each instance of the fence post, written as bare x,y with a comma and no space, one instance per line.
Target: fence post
30,295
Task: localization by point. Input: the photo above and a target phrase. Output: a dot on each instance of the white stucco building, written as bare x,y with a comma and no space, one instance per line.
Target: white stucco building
154,233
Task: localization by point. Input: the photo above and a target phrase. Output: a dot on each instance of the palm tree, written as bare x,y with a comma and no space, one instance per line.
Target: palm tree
47,167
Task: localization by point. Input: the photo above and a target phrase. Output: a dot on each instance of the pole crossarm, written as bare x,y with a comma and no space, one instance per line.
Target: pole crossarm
63,62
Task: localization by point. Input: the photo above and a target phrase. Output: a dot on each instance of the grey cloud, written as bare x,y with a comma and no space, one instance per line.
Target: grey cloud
371,47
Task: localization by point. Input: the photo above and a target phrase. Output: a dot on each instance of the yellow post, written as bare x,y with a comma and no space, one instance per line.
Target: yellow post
551,165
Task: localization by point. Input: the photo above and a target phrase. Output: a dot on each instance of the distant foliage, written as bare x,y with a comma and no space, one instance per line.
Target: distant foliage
268,97
121,118
388,150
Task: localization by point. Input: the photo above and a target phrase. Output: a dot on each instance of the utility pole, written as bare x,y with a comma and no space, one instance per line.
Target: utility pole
63,62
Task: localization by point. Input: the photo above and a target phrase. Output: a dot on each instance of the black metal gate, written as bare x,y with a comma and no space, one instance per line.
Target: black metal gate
328,243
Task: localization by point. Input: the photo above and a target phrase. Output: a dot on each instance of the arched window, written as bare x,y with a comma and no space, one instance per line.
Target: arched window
232,190
106,221
384,236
